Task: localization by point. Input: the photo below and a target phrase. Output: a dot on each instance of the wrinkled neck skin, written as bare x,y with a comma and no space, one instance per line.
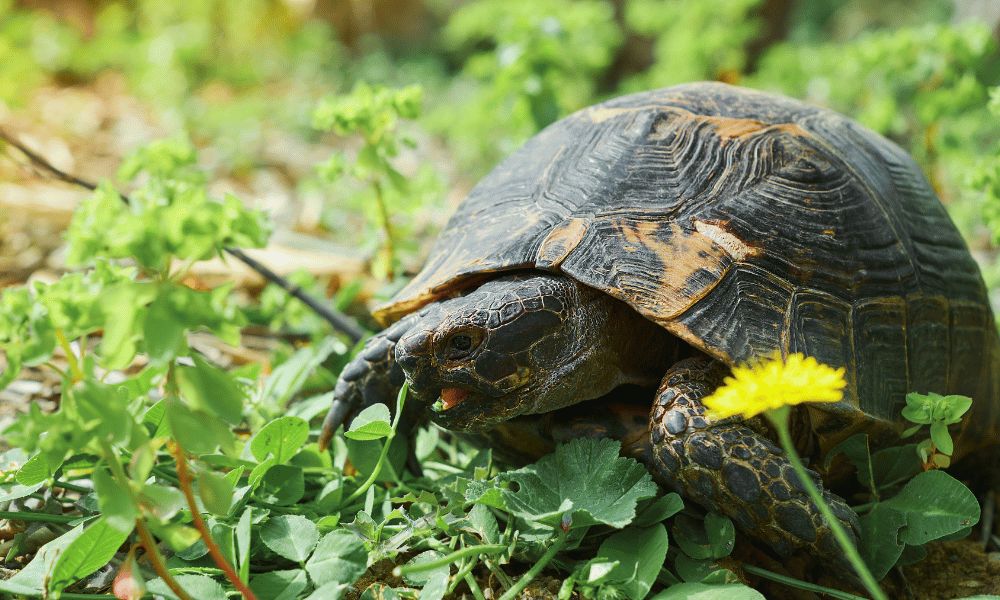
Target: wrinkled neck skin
528,344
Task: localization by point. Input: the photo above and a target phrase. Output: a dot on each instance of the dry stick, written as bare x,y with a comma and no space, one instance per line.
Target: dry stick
202,527
339,321
154,557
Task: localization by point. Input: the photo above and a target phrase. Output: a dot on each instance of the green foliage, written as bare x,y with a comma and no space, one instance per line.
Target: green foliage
693,39
533,61
375,115
931,504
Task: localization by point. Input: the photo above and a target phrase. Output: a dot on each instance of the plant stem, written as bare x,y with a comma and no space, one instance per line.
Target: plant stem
533,572
448,559
799,584
383,212
400,402
199,523
74,365
144,536
71,487
159,567
463,570
477,592
38,517
785,438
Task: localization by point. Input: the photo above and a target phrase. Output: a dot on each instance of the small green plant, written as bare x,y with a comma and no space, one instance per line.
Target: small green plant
374,114
532,63
693,39
912,502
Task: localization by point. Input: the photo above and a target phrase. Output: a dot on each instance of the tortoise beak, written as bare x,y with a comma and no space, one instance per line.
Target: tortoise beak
413,355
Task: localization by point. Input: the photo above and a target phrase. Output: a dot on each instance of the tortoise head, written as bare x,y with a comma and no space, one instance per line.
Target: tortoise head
516,345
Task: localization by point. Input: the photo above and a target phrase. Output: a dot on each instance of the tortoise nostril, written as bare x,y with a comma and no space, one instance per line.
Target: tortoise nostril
412,350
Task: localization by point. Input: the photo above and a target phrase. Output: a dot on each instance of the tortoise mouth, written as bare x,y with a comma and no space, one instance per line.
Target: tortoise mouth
459,408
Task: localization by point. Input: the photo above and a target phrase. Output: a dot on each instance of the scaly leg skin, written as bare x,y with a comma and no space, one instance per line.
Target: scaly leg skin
372,377
732,469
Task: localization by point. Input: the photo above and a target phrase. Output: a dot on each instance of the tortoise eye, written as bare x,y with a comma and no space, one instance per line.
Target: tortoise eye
461,344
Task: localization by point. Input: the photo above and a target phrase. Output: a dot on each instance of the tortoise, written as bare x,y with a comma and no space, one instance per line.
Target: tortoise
654,241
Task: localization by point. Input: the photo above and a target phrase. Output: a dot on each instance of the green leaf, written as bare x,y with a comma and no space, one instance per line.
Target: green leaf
243,542
197,431
340,557
35,470
704,591
280,585
857,449
290,536
115,501
484,523
216,492
659,510
585,478
201,587
329,591
640,552
283,485
288,378
87,553
373,423
209,388
895,465
942,439
162,333
721,534
880,545
281,439
37,570
936,504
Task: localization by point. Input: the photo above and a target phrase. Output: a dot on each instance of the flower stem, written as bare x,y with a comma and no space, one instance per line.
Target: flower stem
37,517
199,523
400,401
159,567
798,583
533,572
780,422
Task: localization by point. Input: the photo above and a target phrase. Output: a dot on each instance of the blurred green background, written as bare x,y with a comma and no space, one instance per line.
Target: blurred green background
89,81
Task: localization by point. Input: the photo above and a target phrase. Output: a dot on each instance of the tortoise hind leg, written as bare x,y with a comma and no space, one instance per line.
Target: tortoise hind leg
732,469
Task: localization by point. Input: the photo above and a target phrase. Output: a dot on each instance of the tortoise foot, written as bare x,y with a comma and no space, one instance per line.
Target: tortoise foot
372,377
731,468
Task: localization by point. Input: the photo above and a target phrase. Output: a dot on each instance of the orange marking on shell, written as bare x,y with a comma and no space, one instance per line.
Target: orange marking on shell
563,238
452,397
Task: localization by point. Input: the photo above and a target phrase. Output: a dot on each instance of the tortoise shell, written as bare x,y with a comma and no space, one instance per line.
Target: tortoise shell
743,223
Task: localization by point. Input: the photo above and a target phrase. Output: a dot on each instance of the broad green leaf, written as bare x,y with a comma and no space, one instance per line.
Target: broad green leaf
941,438
243,542
704,591
290,536
197,431
87,553
585,478
201,587
340,557
216,492
484,524
281,438
373,423
283,485
35,470
280,585
209,388
640,553
721,534
179,537
38,569
162,332
329,591
288,378
894,465
423,577
659,510
115,501
880,544
936,504
160,501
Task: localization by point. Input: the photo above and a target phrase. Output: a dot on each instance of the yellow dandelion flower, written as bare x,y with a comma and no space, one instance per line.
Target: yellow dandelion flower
755,388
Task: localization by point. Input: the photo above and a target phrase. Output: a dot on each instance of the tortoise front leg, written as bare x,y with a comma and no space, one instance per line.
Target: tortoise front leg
370,378
734,470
